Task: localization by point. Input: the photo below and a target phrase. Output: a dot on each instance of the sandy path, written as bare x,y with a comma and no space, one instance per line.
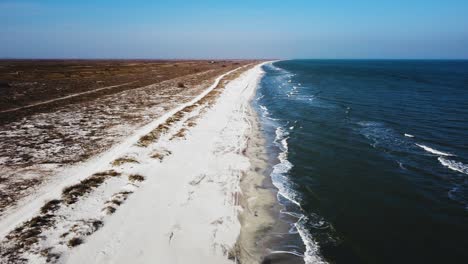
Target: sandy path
63,98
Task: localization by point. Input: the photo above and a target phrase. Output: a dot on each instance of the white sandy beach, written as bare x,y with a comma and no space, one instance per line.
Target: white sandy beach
185,210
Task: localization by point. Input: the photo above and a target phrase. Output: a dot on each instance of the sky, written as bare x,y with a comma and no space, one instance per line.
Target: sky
175,29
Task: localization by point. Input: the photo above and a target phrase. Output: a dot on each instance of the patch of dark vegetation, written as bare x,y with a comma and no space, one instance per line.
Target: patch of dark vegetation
234,253
75,242
160,155
71,194
154,135
116,202
109,210
51,206
15,187
85,227
112,173
191,124
25,236
97,224
118,198
49,255
180,134
121,161
136,178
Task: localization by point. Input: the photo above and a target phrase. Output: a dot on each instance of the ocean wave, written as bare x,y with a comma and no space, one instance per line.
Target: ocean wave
264,110
382,136
287,194
311,255
434,151
286,252
280,170
409,135
281,181
454,165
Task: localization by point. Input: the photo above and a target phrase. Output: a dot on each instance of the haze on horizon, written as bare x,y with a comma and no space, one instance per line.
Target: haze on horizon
234,29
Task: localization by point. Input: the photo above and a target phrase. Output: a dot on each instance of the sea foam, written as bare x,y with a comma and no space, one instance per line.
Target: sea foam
454,165
434,151
281,181
310,256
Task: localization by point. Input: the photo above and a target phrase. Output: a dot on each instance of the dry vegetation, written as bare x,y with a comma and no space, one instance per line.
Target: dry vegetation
72,193
183,115
29,237
23,82
36,142
124,160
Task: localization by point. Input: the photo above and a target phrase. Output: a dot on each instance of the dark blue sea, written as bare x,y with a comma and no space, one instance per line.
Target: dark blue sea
370,158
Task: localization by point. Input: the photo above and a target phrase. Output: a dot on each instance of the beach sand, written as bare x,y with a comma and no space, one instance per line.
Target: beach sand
188,187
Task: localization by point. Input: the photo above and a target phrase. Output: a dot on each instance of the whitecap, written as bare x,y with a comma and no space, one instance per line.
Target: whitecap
454,165
434,151
280,170
409,135
264,110
311,255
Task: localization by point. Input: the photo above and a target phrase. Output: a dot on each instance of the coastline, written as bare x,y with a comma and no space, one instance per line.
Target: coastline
197,190
261,228
263,224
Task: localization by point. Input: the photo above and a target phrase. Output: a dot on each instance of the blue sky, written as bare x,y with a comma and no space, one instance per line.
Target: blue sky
234,29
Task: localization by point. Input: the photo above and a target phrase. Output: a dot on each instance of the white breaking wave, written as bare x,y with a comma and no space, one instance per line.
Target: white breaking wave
281,181
278,175
264,110
454,165
310,256
409,135
434,151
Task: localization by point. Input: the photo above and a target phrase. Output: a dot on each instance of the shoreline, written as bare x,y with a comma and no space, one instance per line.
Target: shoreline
198,190
262,225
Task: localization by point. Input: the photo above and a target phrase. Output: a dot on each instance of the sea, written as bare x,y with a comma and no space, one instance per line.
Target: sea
370,159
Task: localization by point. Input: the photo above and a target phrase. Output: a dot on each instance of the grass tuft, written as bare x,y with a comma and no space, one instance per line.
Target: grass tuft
121,161
51,206
136,178
71,194
74,242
